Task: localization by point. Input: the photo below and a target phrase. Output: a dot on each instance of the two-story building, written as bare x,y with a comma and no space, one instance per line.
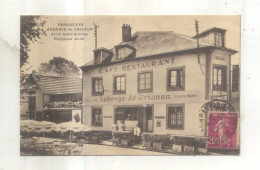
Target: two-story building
158,80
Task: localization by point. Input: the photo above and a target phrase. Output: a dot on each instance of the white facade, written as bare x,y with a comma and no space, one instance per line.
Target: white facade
154,106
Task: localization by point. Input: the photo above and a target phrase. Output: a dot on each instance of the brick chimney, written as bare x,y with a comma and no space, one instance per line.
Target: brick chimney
126,32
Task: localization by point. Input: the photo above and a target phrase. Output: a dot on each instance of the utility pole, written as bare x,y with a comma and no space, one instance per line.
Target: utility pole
95,33
198,45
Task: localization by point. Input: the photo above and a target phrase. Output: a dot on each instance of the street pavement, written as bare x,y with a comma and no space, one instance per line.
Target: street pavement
94,149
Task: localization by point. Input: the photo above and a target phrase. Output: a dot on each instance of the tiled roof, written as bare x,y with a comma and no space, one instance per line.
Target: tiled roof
58,85
150,43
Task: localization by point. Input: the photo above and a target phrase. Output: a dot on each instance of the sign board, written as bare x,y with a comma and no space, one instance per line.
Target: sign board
76,116
221,95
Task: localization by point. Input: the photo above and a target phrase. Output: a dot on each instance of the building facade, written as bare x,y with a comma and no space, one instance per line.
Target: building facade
158,80
53,98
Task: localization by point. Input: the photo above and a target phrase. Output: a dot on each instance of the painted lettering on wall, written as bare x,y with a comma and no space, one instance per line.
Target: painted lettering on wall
143,97
159,117
221,58
135,66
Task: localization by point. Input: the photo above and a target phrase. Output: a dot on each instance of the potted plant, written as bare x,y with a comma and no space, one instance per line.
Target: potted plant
147,141
189,146
126,139
95,138
201,145
157,144
177,146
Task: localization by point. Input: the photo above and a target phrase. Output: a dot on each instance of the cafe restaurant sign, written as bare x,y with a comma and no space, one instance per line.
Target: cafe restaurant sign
136,66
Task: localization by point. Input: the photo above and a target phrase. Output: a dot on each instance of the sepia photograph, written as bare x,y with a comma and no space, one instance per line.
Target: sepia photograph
130,85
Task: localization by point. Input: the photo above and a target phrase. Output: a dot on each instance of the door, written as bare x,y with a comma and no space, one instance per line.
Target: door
148,119
140,118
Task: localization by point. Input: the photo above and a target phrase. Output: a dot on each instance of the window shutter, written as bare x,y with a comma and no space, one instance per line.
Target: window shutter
178,78
169,78
224,78
93,85
92,116
115,83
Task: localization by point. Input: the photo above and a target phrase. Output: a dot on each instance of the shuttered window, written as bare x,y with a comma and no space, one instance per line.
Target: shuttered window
175,79
97,86
220,78
145,82
97,116
175,117
120,84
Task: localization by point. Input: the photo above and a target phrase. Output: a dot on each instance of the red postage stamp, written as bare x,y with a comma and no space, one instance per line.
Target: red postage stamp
222,130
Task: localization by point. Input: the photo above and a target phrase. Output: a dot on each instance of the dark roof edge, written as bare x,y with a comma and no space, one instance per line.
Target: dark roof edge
57,76
157,55
36,80
209,30
64,93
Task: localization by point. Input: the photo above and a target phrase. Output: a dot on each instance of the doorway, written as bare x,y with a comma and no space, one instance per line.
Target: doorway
132,115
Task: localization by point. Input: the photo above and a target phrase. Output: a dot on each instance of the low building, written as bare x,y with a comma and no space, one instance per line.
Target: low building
53,98
158,80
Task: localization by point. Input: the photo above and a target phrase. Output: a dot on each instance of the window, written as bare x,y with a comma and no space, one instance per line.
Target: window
219,78
32,100
102,55
97,117
121,53
145,81
235,78
175,117
99,58
119,84
218,39
97,86
175,79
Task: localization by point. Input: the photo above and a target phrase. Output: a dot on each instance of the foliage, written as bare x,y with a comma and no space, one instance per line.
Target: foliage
59,66
101,134
31,30
121,135
168,140
23,79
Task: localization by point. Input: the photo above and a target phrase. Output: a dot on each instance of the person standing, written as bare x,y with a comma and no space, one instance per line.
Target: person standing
121,126
137,134
114,130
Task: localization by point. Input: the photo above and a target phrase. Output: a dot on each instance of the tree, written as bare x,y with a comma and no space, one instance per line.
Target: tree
31,28
59,66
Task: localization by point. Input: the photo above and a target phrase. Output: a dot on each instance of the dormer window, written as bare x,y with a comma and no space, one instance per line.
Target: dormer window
124,51
102,55
99,58
121,53
219,41
214,36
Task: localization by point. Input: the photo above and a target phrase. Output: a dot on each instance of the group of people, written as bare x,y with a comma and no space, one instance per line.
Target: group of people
120,128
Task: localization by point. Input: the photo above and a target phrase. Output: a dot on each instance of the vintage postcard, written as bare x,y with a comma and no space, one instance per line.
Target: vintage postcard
130,85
